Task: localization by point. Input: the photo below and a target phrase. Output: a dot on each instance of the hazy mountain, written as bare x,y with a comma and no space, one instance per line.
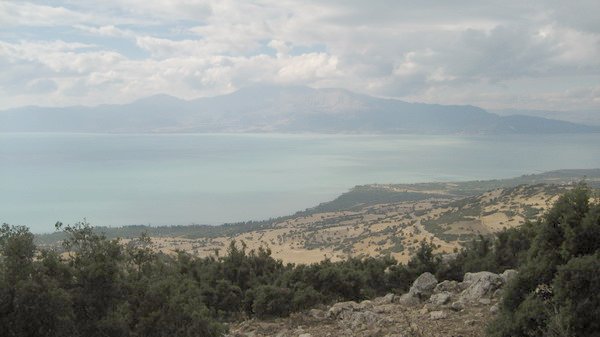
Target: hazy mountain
279,109
588,117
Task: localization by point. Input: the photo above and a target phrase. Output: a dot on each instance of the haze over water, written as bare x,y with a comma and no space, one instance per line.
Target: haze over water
180,179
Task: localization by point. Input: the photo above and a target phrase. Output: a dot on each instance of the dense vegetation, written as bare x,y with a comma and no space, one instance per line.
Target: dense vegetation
107,288
556,292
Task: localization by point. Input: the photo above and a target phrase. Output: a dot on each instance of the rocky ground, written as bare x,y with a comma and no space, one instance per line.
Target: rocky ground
448,308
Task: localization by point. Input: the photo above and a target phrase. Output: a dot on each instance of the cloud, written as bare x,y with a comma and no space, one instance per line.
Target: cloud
493,54
283,48
109,30
29,14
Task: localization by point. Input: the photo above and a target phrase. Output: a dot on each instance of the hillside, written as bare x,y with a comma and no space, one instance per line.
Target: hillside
376,220
387,193
280,109
588,117
376,230
447,308
134,289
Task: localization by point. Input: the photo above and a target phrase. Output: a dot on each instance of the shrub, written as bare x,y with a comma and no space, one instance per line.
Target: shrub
306,297
576,292
271,301
555,293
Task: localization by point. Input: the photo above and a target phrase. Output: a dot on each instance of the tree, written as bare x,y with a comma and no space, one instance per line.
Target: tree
270,301
424,260
555,292
96,264
32,300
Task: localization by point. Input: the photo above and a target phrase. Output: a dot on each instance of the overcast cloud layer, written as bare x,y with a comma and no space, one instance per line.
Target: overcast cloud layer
495,54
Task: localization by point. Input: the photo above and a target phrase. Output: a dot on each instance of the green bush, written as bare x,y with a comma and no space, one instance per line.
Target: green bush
528,320
305,298
555,293
576,292
172,307
272,301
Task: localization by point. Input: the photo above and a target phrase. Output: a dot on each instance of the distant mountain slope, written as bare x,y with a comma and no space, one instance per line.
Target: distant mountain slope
587,117
279,109
368,195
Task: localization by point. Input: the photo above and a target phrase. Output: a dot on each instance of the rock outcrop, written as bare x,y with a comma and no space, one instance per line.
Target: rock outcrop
480,285
440,298
446,286
508,275
423,286
429,308
420,290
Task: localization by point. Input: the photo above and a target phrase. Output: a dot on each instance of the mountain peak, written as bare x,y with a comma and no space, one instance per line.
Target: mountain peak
271,89
161,99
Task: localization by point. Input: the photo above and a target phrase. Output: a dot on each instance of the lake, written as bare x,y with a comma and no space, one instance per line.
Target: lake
116,179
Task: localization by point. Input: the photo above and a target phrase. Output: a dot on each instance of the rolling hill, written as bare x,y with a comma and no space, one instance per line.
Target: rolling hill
375,220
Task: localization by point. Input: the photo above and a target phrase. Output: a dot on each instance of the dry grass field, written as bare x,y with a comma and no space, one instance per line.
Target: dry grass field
380,229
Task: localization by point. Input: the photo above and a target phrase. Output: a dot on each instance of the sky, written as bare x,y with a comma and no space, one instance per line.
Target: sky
493,54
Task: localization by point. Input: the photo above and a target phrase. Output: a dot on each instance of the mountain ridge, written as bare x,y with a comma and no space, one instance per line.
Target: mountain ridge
284,109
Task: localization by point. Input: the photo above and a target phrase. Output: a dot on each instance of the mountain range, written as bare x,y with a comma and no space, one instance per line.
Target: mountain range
280,109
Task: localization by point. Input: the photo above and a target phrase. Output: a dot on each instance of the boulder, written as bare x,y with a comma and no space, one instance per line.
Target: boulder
385,308
366,304
509,275
457,306
471,278
408,300
478,285
497,294
447,286
485,301
338,308
423,286
421,289
354,314
431,306
387,299
357,319
316,313
440,298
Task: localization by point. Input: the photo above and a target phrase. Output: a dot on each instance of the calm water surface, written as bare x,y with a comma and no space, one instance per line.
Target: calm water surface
215,178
